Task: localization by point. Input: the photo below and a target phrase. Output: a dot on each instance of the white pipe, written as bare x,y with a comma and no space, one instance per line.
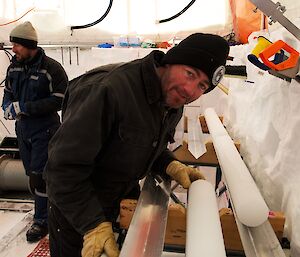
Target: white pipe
214,124
248,203
204,234
12,175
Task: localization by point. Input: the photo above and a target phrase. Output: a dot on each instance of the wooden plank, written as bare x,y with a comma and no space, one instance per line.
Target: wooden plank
202,123
176,224
209,158
127,208
230,232
183,154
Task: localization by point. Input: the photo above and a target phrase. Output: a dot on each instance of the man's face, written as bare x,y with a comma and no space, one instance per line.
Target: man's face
22,53
182,84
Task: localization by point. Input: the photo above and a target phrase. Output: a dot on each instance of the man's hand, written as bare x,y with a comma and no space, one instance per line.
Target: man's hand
7,113
183,174
13,110
100,240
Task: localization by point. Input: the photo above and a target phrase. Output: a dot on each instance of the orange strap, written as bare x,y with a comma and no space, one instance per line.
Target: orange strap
273,49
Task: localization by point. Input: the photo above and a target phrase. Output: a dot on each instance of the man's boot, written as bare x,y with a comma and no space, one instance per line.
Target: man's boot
36,232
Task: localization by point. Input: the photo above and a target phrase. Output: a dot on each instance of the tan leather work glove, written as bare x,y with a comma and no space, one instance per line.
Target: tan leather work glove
183,174
100,240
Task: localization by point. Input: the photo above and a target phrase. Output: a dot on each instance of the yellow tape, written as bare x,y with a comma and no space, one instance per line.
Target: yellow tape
262,43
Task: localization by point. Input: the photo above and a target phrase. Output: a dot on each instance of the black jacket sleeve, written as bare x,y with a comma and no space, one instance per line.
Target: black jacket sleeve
166,157
87,123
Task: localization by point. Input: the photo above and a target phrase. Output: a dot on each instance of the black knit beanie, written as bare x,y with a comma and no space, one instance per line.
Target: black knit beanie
206,52
25,35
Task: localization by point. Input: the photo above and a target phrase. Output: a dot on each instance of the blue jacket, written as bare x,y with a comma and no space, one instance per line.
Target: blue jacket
38,84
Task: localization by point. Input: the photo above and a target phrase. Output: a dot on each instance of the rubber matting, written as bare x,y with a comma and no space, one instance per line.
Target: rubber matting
42,249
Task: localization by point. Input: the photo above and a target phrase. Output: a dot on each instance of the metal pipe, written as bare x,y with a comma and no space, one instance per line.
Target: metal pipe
54,46
62,55
70,56
12,174
77,56
275,13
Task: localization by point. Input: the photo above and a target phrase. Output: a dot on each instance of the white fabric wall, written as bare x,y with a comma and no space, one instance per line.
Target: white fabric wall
87,59
53,19
264,116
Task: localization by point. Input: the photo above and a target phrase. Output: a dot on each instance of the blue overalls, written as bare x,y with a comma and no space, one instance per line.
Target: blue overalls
38,85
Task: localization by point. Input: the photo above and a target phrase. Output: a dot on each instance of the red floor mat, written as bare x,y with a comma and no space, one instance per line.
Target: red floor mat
42,249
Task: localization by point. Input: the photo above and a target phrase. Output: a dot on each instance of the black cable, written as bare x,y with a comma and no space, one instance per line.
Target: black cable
8,54
95,22
178,14
2,82
11,55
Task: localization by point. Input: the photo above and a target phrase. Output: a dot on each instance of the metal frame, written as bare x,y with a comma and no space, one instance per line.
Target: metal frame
275,13
259,241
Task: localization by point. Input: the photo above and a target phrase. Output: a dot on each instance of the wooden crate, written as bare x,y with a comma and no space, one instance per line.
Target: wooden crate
176,224
183,154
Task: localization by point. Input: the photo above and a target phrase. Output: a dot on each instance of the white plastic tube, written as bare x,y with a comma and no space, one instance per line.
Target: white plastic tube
249,205
204,233
213,122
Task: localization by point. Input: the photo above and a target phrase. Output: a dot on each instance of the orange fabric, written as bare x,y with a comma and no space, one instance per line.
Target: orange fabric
245,20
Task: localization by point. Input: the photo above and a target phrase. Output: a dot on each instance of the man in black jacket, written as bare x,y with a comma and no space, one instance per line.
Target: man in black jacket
33,93
116,127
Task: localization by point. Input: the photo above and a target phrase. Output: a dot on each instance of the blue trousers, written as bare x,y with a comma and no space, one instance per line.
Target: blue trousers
40,210
33,147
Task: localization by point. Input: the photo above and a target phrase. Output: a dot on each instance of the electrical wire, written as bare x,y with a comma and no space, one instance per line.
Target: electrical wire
8,54
95,22
3,24
178,14
2,82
